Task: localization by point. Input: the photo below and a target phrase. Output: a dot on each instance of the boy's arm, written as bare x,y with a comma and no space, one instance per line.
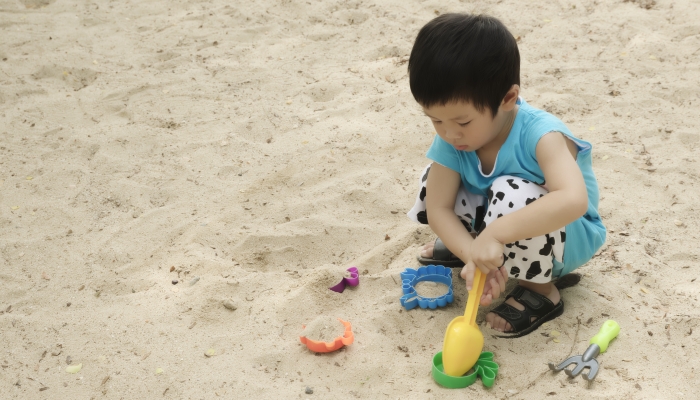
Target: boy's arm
441,188
566,201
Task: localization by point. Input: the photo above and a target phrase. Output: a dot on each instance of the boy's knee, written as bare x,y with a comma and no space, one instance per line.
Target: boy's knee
510,193
501,191
512,186
507,183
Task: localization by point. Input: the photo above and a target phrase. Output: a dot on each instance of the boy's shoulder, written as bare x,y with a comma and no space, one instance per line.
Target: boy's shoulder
535,119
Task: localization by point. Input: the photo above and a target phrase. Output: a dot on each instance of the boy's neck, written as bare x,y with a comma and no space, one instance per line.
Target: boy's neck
497,142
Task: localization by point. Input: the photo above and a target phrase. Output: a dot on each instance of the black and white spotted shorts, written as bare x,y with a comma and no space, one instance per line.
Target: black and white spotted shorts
529,259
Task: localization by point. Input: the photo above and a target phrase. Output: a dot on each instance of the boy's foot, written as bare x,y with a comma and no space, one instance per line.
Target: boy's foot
497,322
540,302
436,253
427,250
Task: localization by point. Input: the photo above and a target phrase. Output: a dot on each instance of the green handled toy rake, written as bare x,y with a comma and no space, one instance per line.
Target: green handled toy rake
598,344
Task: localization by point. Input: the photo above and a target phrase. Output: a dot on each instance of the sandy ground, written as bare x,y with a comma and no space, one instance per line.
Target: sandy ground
264,147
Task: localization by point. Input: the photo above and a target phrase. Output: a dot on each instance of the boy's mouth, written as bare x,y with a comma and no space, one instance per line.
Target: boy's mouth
461,148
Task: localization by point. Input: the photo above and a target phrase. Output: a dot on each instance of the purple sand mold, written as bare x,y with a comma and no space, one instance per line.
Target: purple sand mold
353,280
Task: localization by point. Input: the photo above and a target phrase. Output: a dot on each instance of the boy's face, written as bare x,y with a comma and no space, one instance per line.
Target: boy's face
466,128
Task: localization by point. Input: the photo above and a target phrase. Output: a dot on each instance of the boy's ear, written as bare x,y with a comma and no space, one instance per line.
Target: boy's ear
510,98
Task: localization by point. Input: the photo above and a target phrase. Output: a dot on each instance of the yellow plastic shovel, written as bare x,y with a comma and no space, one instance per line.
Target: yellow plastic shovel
463,339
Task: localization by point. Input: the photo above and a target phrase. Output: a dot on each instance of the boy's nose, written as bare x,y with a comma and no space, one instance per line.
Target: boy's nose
453,134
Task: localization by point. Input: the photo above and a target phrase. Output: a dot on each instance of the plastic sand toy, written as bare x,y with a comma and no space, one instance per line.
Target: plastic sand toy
485,368
326,347
430,273
353,280
598,344
463,339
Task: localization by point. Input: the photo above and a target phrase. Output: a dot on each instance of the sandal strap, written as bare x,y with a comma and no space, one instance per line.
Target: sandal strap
517,319
536,305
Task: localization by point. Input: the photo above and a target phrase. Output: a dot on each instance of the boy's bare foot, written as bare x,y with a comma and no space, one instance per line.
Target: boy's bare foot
546,289
427,251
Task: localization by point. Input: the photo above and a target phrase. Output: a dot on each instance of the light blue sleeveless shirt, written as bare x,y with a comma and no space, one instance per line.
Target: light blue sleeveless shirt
517,157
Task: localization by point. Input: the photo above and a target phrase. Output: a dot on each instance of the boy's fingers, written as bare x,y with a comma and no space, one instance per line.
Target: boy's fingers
495,288
502,278
468,274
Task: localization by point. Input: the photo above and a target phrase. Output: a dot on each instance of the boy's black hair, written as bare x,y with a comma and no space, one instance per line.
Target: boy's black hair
462,57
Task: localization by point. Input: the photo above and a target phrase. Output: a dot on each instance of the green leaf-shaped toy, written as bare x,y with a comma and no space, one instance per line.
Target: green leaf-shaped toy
485,368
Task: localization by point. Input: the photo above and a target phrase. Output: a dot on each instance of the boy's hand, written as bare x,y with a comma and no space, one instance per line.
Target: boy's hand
495,286
486,254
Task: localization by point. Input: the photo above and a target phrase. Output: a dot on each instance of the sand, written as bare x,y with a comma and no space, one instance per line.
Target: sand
431,289
262,146
324,328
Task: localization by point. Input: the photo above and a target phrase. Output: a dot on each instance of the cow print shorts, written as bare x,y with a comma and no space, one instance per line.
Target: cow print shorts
529,259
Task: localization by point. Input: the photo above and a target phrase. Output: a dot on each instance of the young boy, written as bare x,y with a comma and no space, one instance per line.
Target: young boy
503,169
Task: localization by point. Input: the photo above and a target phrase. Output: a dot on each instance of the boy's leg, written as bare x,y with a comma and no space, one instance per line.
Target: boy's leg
530,260
467,205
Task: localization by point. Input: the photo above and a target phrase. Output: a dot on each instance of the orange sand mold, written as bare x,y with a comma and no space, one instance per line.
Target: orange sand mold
326,347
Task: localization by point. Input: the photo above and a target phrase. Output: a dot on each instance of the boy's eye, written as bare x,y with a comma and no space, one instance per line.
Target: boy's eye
464,124
437,122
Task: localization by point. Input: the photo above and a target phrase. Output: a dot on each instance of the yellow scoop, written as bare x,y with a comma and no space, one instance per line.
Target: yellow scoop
463,339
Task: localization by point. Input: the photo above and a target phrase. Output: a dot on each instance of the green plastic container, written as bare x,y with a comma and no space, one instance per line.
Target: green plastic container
485,368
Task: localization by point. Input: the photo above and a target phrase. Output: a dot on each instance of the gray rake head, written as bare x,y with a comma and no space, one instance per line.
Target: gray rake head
587,360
